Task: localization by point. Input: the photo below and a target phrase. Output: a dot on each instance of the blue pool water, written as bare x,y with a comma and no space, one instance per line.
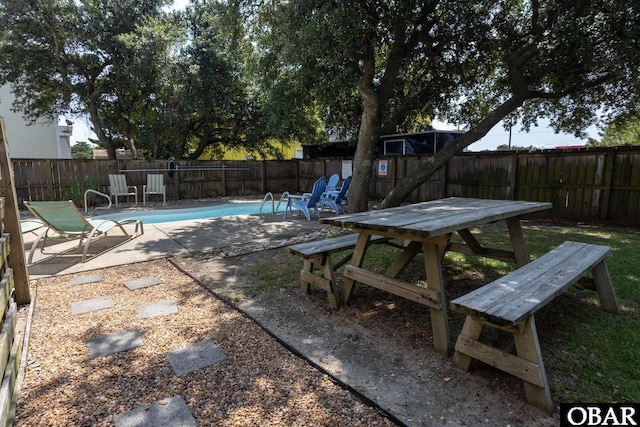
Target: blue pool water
183,214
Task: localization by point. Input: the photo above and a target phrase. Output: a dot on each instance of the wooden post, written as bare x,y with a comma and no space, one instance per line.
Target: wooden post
606,184
50,195
12,221
224,180
514,176
263,184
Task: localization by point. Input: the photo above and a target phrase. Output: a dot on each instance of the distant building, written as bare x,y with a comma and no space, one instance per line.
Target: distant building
286,151
121,153
44,140
402,144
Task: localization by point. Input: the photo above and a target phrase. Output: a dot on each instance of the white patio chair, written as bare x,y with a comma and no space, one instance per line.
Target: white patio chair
155,185
118,187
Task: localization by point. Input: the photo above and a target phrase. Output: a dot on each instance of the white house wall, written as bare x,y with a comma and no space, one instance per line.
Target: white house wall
39,141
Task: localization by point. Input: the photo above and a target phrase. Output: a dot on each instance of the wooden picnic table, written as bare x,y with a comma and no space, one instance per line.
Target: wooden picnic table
427,227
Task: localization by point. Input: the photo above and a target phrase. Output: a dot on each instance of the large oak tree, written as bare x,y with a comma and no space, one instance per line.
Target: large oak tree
71,57
471,63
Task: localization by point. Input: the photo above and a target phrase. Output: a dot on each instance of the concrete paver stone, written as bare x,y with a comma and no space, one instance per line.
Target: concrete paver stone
83,280
155,309
89,305
145,282
172,412
194,357
114,343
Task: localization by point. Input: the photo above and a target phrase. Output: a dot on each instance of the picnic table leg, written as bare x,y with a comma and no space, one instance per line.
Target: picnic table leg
518,242
409,252
356,260
435,282
605,288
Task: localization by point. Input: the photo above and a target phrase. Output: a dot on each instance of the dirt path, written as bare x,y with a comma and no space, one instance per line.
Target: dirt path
384,356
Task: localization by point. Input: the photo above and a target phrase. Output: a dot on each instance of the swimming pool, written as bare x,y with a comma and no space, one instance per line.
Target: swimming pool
184,214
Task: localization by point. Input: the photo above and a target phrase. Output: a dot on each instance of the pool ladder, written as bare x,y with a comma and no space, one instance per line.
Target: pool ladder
269,195
86,209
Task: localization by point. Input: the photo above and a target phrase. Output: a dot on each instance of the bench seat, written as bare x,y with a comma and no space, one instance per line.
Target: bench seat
318,253
509,303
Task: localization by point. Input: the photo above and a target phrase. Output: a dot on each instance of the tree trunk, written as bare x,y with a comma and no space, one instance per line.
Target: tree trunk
132,143
97,128
367,137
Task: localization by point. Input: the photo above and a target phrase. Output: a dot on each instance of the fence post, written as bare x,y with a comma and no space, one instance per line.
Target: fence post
443,181
264,176
12,222
394,175
50,195
606,185
514,175
224,179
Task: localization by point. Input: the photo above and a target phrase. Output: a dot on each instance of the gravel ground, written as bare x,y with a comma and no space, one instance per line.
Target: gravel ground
260,383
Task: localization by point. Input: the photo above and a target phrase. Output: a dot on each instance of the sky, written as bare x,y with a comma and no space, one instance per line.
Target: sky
540,137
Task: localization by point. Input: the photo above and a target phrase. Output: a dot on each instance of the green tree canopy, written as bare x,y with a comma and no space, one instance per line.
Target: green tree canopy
622,132
82,150
472,64
68,57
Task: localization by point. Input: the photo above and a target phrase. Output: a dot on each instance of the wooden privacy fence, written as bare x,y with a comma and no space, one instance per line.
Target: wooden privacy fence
602,184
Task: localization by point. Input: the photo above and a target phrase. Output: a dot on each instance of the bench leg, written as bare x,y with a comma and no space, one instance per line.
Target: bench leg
527,364
605,288
471,330
528,348
326,282
329,273
307,267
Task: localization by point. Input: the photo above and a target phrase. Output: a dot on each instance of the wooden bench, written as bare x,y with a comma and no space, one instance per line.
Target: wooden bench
510,303
318,253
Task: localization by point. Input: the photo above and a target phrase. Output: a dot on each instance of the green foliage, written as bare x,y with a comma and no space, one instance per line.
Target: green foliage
624,132
78,188
68,58
81,150
376,68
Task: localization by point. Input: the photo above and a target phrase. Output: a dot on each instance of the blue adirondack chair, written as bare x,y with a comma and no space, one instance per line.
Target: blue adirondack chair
302,203
335,199
333,182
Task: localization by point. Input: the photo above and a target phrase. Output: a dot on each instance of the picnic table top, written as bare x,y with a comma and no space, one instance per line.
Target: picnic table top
436,217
